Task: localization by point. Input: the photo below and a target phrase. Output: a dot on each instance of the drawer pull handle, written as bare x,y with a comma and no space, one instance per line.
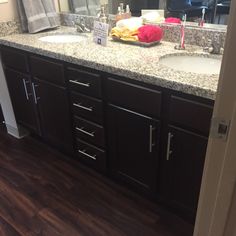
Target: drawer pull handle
82,107
87,155
25,87
151,144
84,131
80,83
169,152
34,92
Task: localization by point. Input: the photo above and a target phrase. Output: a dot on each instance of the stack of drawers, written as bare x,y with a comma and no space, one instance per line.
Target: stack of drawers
87,108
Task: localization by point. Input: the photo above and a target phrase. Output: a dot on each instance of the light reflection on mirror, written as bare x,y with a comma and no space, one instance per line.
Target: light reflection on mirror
217,10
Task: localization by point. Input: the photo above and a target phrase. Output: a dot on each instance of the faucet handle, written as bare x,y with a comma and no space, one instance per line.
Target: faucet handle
221,50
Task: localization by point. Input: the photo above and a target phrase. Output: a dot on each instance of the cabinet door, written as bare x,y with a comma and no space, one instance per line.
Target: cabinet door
133,147
186,160
19,87
53,106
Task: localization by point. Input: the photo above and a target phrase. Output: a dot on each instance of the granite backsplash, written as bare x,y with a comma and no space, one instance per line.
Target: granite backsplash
9,27
193,35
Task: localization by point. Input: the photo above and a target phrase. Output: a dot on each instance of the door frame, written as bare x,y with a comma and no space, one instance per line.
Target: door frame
219,177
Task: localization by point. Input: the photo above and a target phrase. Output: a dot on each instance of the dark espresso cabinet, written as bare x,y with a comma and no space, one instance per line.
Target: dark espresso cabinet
149,138
20,90
53,108
185,142
39,96
133,147
185,157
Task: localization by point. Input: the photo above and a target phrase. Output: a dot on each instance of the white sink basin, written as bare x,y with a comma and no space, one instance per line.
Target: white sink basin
63,38
192,63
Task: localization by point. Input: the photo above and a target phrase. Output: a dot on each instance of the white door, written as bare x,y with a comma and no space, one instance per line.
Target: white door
220,167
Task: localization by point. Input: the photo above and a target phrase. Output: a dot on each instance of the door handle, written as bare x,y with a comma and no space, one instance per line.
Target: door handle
25,87
151,144
169,152
34,93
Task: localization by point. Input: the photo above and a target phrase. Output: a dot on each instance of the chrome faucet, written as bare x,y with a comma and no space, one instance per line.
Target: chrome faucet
81,26
214,46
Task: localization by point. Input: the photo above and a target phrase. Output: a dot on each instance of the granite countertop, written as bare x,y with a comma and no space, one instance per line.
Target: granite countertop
131,61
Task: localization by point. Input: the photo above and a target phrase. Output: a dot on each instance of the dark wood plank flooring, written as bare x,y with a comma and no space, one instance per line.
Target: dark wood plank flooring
43,192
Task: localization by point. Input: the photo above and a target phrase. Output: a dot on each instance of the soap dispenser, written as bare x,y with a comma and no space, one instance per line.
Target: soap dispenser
102,17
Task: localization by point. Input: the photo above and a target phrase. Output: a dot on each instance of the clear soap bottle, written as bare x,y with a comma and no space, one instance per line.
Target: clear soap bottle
102,17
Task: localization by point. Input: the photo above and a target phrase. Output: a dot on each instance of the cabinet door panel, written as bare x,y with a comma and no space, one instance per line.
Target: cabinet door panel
54,113
22,100
186,166
132,158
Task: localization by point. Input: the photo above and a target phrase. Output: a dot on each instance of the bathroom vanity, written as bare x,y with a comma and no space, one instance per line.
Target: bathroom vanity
130,118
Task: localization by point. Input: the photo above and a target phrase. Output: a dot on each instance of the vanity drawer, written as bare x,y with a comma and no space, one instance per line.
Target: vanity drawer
190,114
91,155
85,82
89,132
134,97
14,59
47,70
87,107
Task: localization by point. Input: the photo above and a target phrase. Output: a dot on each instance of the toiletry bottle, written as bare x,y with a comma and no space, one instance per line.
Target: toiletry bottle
102,16
122,8
127,12
119,14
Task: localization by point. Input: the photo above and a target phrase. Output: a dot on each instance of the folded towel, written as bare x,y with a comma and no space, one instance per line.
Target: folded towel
22,16
131,23
37,15
125,34
51,13
153,17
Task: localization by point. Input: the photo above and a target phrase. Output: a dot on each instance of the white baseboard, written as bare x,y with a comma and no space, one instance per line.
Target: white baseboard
17,132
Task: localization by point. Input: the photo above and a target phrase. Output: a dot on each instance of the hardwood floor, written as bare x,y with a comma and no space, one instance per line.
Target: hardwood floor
43,192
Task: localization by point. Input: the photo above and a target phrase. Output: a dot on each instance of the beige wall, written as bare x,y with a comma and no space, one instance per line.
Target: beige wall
8,11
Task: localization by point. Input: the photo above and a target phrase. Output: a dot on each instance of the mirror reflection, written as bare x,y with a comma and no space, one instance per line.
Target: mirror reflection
215,11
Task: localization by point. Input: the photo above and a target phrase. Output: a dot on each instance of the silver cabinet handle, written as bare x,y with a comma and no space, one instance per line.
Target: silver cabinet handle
25,87
169,152
84,131
34,92
80,83
151,144
82,107
87,155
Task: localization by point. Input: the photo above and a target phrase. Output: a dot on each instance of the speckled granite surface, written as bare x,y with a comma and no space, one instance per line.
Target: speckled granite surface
125,60
9,27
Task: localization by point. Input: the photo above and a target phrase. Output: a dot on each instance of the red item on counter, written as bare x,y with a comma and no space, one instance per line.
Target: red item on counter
150,33
173,20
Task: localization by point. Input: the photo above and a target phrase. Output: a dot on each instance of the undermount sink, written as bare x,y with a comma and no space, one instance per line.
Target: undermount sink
63,38
200,64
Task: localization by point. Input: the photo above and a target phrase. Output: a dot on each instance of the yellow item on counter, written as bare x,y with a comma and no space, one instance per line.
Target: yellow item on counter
125,34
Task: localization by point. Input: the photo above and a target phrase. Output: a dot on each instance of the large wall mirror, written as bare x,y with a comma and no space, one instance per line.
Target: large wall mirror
217,11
